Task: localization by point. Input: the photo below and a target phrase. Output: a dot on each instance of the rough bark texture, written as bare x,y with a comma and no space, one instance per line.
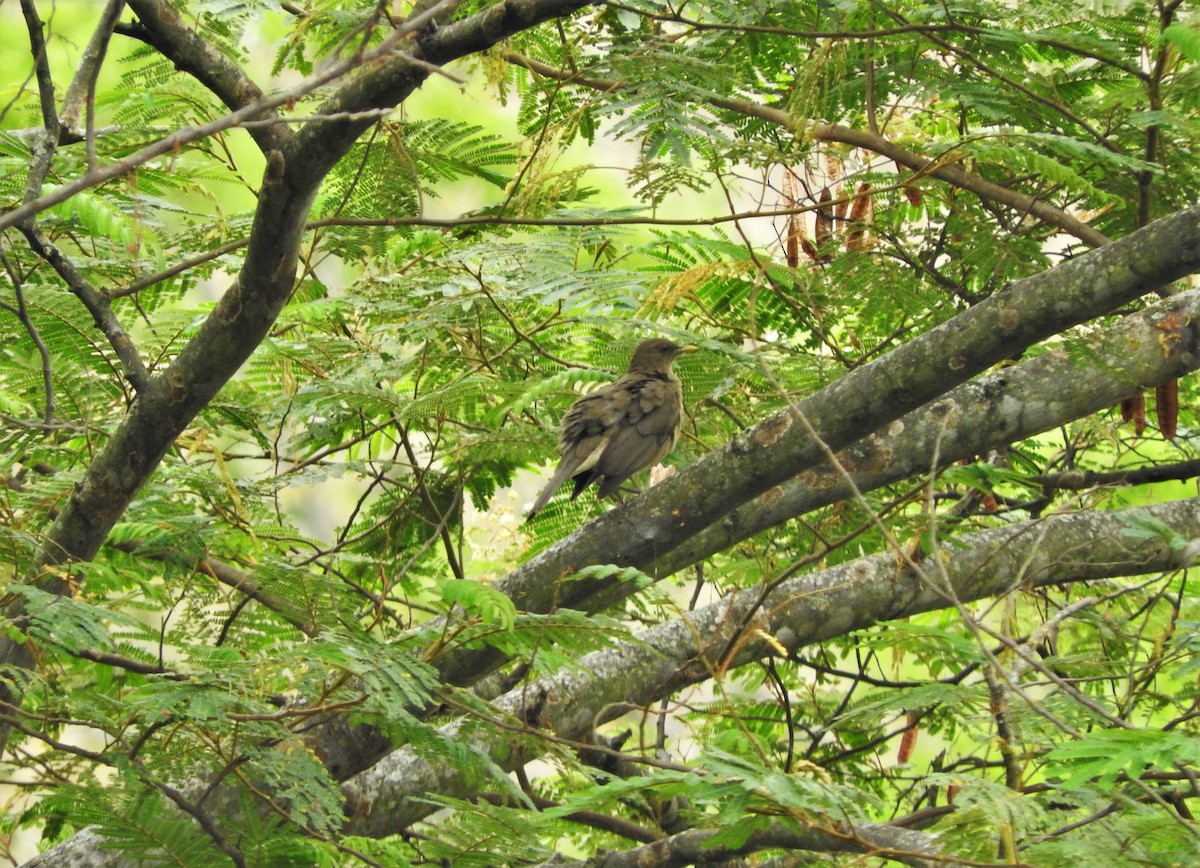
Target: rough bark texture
1148,347
747,626
866,400
296,166
772,471
696,847
1144,349
754,623
870,397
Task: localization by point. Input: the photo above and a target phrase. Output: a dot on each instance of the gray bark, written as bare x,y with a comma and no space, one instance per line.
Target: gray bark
905,846
754,623
778,448
1144,349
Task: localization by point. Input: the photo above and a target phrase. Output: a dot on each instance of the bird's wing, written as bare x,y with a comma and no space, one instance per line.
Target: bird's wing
592,418
586,429
646,433
614,432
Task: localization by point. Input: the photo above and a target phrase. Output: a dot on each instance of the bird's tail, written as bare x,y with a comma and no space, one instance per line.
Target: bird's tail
565,469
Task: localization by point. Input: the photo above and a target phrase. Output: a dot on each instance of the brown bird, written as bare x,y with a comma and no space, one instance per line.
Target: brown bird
627,426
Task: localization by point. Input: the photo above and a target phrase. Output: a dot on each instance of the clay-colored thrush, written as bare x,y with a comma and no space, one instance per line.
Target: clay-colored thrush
625,427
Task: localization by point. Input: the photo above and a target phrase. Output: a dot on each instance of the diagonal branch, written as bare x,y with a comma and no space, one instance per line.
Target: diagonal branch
160,26
568,705
777,449
940,168
781,618
697,846
1144,348
246,311
81,90
1141,350
97,304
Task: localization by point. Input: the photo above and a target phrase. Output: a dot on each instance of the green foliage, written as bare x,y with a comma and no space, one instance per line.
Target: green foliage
132,821
1105,755
489,605
330,528
546,642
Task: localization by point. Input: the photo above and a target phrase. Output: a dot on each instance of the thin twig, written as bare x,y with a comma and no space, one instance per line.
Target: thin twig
97,304
22,314
187,135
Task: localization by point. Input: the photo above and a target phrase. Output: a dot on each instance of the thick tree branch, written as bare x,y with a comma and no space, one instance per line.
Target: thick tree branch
1016,402
159,25
759,469
246,311
694,848
863,401
85,849
1143,349
755,623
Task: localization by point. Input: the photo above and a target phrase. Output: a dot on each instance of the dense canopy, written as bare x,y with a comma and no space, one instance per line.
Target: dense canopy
295,296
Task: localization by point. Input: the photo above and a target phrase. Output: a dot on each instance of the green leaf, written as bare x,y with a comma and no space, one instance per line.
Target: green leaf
1105,754
490,605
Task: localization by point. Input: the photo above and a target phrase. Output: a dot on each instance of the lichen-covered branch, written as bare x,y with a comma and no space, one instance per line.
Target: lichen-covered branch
755,623
865,400
695,846
1143,349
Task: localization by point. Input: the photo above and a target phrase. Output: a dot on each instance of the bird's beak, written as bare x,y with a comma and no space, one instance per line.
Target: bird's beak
690,348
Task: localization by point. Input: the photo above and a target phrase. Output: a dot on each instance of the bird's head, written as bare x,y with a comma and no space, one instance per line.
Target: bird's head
655,355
